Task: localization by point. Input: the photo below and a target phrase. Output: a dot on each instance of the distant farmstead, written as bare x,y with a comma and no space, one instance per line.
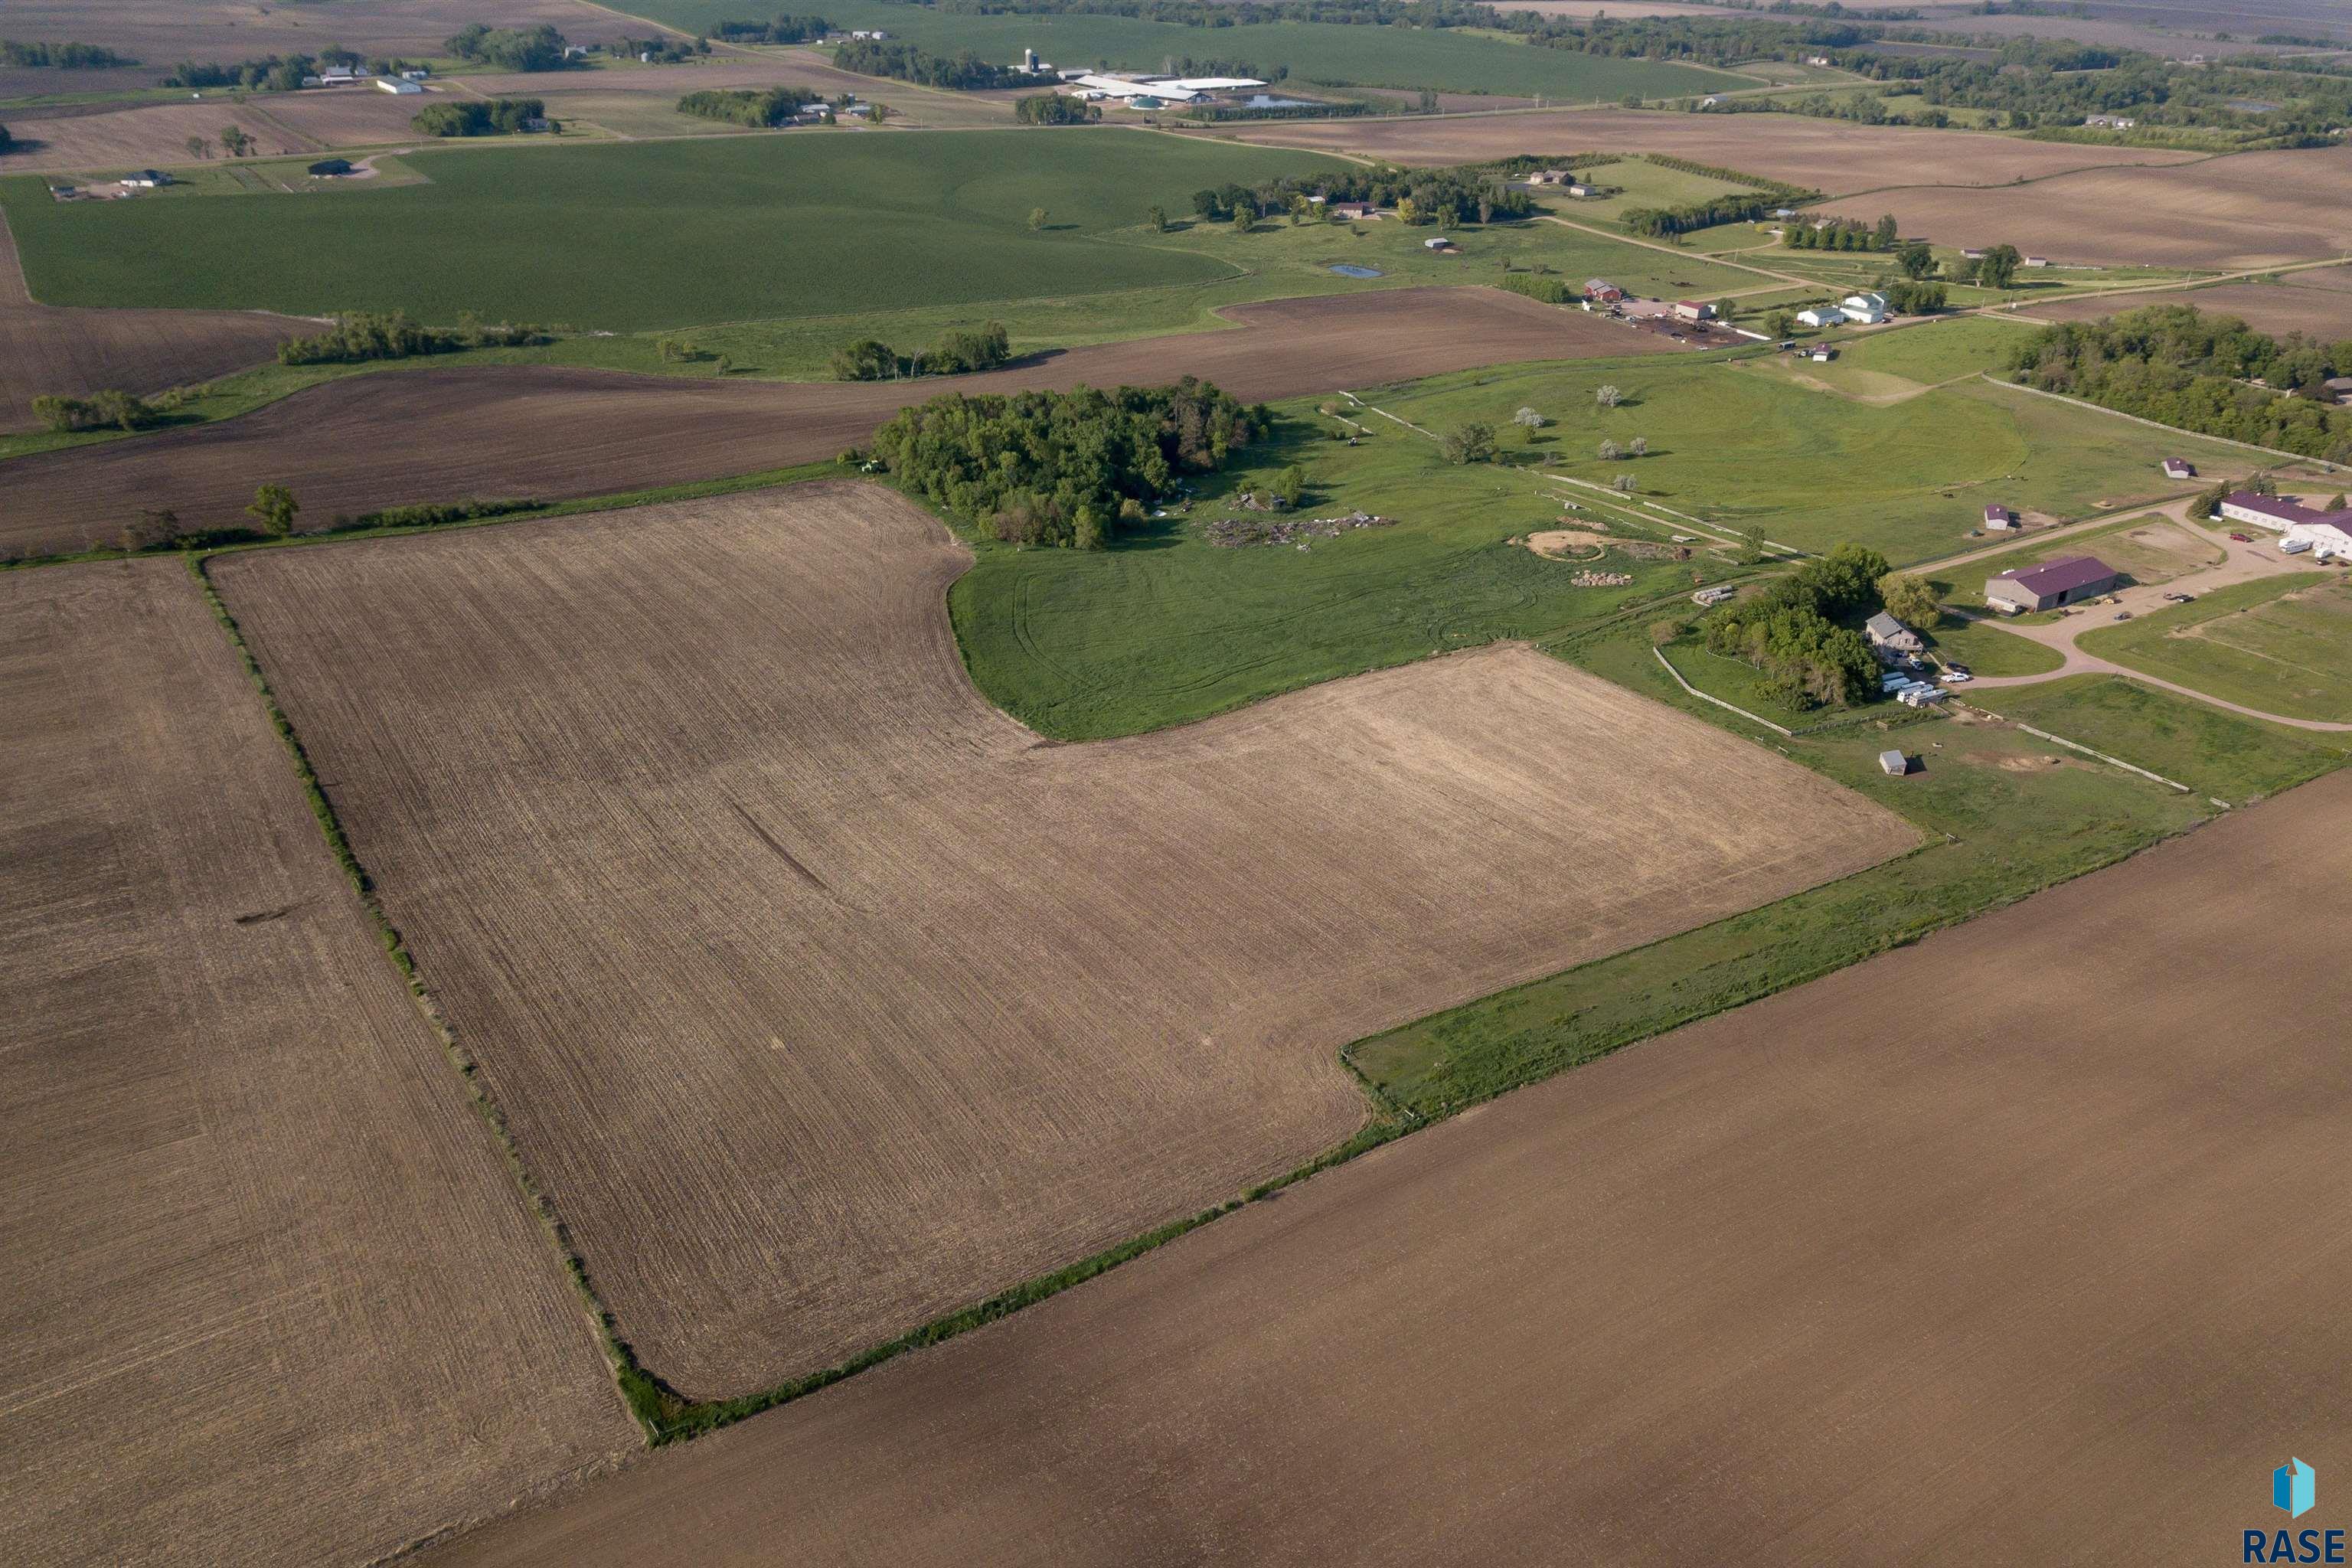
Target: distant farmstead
2046,587
1602,291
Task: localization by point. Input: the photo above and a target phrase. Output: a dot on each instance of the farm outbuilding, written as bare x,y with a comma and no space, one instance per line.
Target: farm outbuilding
1893,763
1693,310
2179,468
1821,316
2050,585
397,84
1885,631
2000,519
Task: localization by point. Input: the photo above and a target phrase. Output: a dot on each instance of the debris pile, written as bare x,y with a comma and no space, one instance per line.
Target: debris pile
1234,532
1600,580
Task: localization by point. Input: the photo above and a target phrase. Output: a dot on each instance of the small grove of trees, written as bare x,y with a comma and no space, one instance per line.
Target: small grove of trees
498,117
744,106
1996,268
1840,234
1063,468
1546,291
110,410
275,508
1910,599
235,142
965,71
1054,109
781,30
957,353
539,48
1910,296
60,57
361,335
1797,629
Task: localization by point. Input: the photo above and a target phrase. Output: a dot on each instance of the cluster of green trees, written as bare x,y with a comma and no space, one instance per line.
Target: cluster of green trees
965,72
1550,290
781,30
2178,366
956,353
1842,233
1913,297
1738,206
744,106
498,117
265,73
539,48
6,141
361,335
107,410
1054,109
60,57
1066,469
660,49
1468,195
1800,629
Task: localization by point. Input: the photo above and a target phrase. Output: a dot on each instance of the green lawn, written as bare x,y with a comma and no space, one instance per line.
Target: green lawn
2218,753
1168,627
1642,184
1987,649
2281,645
647,235
1931,352
1750,449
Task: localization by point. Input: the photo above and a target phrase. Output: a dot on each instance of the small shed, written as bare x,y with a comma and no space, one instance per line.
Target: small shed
2179,468
1893,763
2000,519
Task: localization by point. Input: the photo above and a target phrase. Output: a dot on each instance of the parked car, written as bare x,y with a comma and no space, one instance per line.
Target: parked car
2181,598
2123,614
2242,538
1961,671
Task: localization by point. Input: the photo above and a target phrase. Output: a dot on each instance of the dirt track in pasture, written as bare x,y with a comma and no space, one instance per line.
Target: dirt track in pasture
421,435
48,348
1820,155
826,999
2038,1227
271,1295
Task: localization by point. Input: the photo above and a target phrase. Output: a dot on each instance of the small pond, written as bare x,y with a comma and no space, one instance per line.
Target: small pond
1350,270
1268,100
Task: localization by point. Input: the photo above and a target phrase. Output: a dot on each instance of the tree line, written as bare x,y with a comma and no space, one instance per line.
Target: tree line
361,335
495,117
965,71
2178,366
111,409
540,48
745,106
1065,469
1054,109
1465,195
956,353
60,57
781,30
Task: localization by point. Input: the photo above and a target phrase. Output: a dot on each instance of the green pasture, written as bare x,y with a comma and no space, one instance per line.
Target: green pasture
2280,645
1987,649
635,235
1747,448
1642,184
1167,626
2218,753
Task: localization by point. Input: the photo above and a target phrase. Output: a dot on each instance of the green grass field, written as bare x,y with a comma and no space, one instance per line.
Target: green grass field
1642,184
628,236
2240,760
1746,447
2281,645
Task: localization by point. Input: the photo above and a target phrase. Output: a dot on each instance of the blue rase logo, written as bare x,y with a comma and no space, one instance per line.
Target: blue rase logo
2295,1487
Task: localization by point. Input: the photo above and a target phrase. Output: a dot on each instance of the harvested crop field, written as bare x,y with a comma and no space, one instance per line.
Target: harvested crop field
2037,1226
114,139
860,1002
549,432
271,1294
46,349
2251,209
1820,154
2317,303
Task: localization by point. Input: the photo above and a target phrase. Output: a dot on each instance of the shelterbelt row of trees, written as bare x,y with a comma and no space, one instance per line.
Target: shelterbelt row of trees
361,335
1470,193
60,57
1066,469
2177,365
965,71
497,117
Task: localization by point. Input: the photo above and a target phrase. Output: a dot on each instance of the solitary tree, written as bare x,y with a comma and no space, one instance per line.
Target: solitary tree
1607,396
1751,549
1428,102
1639,448
198,147
233,141
1998,268
875,113
275,506
1723,310
1036,218
1157,218
2209,502
1468,444
1623,484
1530,419
1611,451
1290,485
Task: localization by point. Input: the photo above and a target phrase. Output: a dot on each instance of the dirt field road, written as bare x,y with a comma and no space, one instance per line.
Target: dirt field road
409,436
826,999
2028,1244
48,349
2242,564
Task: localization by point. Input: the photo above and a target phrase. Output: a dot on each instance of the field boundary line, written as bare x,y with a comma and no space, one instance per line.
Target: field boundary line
2156,425
631,1383
1720,702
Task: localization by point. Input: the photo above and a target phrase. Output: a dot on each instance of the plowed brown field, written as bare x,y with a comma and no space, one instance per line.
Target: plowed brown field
112,139
410,435
45,349
2024,1244
271,1295
1820,155
826,999
2251,209
2318,303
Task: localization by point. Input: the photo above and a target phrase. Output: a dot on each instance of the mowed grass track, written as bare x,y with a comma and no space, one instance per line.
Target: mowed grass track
2056,1276
645,234
860,1002
271,1294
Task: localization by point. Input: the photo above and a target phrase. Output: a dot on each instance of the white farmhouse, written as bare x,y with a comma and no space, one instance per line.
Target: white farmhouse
1867,308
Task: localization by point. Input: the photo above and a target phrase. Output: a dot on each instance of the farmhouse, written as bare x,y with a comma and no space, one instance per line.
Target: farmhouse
1885,631
2000,519
2037,261
1693,310
1602,291
1869,309
2179,468
1548,177
1354,210
1821,316
2050,585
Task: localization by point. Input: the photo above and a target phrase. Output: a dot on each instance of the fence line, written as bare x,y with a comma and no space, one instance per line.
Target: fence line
1718,702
